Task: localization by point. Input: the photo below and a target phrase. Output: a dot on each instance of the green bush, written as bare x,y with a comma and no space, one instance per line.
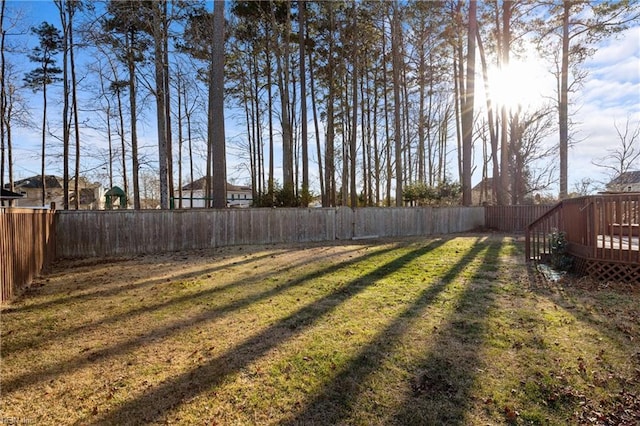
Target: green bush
560,258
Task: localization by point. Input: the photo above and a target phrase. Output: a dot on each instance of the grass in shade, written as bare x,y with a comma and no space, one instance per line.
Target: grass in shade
452,330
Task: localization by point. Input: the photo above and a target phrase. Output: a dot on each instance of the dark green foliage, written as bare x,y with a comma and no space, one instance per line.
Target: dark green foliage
281,197
125,26
197,38
44,55
560,258
445,193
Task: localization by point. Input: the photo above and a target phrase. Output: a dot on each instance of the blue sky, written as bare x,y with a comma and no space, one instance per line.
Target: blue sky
611,94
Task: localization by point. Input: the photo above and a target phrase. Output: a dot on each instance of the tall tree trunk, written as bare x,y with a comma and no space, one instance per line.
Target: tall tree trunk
271,178
377,154
167,96
354,117
180,138
421,113
431,150
161,117
74,100
397,123
44,133
9,107
62,9
3,98
353,138
516,177
123,144
187,113
316,125
458,81
135,163
458,69
346,126
110,141
252,115
366,139
303,106
283,86
442,143
467,112
330,178
293,122
493,136
504,134
387,127
563,106
160,110
258,180
216,109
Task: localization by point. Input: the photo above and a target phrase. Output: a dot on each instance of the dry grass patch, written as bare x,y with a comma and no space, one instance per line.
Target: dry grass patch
448,330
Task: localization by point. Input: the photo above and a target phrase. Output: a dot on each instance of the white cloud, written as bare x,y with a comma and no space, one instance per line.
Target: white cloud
617,49
609,96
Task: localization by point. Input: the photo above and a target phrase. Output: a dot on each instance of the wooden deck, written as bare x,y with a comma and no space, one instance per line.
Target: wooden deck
602,232
618,243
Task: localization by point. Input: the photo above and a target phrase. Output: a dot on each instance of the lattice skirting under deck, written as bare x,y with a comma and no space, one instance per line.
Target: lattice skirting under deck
603,270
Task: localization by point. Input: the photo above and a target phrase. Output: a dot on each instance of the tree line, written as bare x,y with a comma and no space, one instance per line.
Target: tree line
375,99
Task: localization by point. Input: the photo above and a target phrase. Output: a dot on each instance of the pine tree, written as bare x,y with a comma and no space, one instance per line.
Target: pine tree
47,72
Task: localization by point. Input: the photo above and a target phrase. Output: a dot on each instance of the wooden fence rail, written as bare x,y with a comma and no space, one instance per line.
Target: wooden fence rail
128,232
514,218
27,246
28,243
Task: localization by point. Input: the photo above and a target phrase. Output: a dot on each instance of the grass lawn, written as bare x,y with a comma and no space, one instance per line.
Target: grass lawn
452,330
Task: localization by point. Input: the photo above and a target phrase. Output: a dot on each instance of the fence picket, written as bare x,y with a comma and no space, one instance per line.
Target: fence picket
27,246
31,238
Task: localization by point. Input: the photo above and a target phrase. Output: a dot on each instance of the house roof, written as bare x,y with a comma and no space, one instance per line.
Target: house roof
484,183
5,194
199,184
627,178
195,185
51,181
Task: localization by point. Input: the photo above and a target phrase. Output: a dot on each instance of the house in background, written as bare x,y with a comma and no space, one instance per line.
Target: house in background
8,198
91,194
482,193
625,182
193,195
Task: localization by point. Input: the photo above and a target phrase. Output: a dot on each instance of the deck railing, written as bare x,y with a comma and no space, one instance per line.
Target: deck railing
538,236
599,227
616,224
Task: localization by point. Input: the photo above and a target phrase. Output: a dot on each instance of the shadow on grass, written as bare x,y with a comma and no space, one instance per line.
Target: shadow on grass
157,402
602,308
443,388
442,382
99,293
66,366
15,345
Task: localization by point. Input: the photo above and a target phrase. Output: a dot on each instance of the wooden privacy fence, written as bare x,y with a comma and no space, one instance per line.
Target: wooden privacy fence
514,218
127,232
31,238
27,246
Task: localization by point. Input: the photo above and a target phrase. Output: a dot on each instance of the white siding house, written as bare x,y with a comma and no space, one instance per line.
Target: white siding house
193,195
625,182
